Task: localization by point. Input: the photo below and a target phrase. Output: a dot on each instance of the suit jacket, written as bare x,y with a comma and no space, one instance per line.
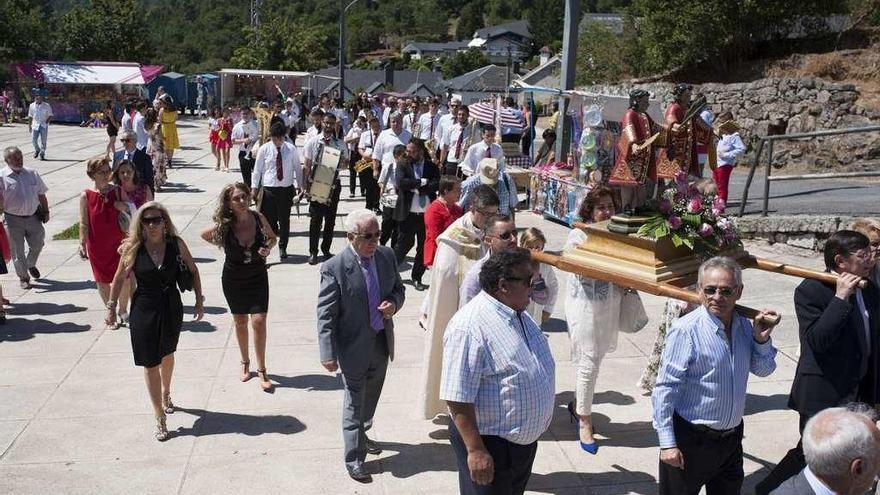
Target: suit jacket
142,163
834,367
407,183
796,485
344,331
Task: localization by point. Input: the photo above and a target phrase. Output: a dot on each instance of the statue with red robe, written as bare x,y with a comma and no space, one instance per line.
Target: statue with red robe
635,151
684,130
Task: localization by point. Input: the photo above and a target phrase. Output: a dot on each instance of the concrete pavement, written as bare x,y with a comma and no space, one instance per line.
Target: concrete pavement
75,417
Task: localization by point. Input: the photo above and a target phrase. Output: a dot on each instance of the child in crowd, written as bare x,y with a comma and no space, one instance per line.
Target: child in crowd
545,280
730,148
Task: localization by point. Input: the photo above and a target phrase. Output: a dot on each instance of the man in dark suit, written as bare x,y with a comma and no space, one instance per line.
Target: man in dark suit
360,292
417,181
840,340
842,448
138,157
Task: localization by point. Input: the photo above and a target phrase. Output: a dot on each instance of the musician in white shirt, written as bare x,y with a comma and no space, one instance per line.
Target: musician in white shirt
317,118
323,210
484,149
368,141
244,134
446,121
429,123
278,178
290,116
352,138
383,152
455,143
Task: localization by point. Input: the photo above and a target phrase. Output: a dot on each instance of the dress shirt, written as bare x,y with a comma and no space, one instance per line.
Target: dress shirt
126,123
290,118
384,149
816,484
140,132
514,130
426,129
505,188
408,121
730,147
451,135
470,285
498,360
264,173
863,310
374,298
341,117
386,116
702,378
477,152
416,205
368,140
21,191
446,121
388,178
242,129
354,132
40,114
312,132
315,145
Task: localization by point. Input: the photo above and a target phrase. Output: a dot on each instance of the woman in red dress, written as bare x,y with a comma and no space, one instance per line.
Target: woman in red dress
224,138
441,213
99,232
214,126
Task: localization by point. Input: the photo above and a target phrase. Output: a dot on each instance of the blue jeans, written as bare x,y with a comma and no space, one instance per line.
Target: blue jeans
43,134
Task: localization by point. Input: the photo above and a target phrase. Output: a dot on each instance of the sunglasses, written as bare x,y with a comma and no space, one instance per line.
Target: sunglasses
510,234
152,221
710,290
368,237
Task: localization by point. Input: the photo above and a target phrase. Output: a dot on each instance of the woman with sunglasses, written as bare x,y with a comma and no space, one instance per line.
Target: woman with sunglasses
155,254
99,231
592,310
247,239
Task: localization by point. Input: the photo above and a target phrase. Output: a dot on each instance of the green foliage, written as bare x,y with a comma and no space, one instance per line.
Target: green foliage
68,234
23,30
283,44
600,55
462,62
103,30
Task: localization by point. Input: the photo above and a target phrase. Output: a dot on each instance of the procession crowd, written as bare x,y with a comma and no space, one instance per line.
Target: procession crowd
434,181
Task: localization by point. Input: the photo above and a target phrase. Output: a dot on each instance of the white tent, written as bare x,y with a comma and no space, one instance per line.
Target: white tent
228,77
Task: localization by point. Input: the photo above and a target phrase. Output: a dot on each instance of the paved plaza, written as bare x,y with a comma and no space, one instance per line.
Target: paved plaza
75,417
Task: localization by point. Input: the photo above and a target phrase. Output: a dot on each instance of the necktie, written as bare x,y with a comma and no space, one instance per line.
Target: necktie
423,199
458,144
432,127
488,151
376,322
279,165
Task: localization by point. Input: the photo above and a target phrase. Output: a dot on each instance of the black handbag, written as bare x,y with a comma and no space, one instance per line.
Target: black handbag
184,276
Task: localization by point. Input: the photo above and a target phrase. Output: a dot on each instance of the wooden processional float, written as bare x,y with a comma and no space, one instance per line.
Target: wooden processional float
655,266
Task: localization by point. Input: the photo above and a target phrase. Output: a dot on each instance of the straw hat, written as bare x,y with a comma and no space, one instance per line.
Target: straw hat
488,170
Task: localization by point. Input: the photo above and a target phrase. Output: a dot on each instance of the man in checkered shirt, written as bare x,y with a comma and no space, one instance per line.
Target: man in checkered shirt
498,380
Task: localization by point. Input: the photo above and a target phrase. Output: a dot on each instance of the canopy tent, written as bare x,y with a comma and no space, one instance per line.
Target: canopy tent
78,89
493,113
174,84
212,88
613,106
242,86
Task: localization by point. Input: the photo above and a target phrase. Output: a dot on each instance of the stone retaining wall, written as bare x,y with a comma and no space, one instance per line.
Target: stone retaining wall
802,231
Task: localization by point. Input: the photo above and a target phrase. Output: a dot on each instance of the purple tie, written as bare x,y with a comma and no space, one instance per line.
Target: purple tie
373,299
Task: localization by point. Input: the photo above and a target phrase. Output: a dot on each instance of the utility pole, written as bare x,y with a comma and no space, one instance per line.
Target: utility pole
343,9
569,56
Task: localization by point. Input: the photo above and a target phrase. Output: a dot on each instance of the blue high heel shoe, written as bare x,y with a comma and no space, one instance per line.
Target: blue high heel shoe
591,448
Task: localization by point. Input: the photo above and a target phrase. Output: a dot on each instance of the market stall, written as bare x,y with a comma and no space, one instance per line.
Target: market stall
212,91
174,84
245,86
78,89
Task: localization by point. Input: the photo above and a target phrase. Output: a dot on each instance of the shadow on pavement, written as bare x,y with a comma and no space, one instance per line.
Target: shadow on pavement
197,326
220,423
412,459
48,285
44,309
760,403
309,382
613,397
554,325
20,329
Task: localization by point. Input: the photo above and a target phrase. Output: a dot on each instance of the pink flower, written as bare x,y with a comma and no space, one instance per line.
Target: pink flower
681,177
729,235
718,204
664,205
674,222
694,205
706,230
724,224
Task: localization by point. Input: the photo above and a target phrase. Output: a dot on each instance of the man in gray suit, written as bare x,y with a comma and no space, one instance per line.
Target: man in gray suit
360,292
842,449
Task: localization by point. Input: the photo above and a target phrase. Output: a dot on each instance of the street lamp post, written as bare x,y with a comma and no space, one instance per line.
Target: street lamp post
342,11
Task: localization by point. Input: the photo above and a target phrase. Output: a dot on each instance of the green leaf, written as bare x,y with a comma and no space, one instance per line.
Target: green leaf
688,242
676,240
692,219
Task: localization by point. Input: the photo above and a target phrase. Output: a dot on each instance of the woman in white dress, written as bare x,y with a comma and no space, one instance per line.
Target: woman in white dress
592,310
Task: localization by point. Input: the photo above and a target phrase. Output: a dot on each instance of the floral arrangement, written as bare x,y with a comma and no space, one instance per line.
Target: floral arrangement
97,119
692,219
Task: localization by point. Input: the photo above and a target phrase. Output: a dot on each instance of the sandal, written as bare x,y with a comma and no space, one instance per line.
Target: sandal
265,383
245,371
167,404
161,429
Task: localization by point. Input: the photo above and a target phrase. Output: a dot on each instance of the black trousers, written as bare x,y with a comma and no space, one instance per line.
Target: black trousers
326,215
412,231
712,459
370,187
513,465
276,205
450,168
789,466
511,138
247,167
353,176
389,227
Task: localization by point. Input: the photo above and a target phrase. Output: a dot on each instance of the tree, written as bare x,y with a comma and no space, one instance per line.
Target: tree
104,30
600,55
545,24
25,33
470,20
462,62
282,44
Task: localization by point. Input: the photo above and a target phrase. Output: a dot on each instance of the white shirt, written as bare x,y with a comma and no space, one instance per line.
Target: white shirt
368,141
446,121
264,166
730,147
126,123
384,148
416,205
313,146
142,137
312,132
244,129
386,115
21,191
388,178
477,152
428,126
450,141
816,484
290,117
40,114
354,132
408,121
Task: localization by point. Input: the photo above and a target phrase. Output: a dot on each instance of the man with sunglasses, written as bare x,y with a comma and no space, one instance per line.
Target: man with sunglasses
138,157
500,236
840,339
360,293
700,393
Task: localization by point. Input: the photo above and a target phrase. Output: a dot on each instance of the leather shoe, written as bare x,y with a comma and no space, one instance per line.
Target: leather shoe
313,259
34,272
373,447
419,286
359,473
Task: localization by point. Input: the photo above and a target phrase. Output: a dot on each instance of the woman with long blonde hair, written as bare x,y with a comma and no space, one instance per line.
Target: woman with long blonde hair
156,255
247,239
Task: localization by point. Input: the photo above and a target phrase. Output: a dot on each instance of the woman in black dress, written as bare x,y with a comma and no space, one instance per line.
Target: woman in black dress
247,239
155,253
112,127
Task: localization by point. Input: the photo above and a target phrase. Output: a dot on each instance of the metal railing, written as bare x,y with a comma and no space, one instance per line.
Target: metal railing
787,137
